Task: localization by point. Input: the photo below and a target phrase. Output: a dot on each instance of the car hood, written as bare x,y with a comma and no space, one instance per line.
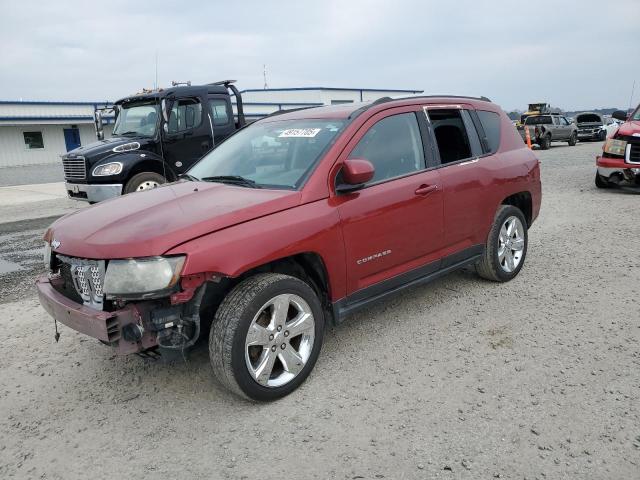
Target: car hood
629,128
103,146
152,222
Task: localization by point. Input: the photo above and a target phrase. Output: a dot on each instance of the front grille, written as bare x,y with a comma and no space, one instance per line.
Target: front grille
634,153
83,280
74,168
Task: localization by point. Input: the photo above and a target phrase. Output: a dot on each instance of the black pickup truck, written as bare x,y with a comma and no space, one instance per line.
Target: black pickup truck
547,128
157,136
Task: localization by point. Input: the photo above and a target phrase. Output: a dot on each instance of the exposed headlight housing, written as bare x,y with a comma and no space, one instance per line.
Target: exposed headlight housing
127,147
142,277
615,147
112,168
46,255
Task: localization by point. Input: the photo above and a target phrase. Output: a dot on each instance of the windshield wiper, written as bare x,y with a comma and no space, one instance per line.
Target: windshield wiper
186,176
233,180
127,133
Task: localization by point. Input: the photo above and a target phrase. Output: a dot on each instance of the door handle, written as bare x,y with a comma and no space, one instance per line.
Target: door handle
425,190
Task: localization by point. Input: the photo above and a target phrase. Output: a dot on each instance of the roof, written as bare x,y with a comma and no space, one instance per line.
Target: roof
344,89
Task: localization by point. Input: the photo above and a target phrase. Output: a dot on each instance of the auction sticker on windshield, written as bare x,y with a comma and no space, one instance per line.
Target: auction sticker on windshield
300,133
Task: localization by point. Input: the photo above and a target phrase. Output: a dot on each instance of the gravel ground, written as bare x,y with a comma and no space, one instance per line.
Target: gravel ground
463,378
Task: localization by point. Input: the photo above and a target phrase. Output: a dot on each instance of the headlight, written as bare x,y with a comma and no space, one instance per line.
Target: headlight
142,275
113,168
615,147
46,254
127,147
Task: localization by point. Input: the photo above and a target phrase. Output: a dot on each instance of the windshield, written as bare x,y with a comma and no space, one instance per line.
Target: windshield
272,154
539,120
137,120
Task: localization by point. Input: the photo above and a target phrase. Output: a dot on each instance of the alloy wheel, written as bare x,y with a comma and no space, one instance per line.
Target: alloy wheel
511,244
279,340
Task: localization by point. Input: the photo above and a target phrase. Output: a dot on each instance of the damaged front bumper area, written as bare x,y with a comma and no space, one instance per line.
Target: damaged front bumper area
616,171
136,327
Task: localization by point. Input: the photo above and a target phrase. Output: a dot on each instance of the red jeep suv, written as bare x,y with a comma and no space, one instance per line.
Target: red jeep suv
290,225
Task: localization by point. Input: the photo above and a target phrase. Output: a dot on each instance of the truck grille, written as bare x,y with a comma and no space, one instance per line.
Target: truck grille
74,168
634,153
85,277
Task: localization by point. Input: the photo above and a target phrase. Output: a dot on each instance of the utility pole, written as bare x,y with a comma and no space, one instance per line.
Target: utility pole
264,74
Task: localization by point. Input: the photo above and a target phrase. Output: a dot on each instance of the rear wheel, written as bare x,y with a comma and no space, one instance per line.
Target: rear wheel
266,336
545,142
506,247
601,182
144,181
573,139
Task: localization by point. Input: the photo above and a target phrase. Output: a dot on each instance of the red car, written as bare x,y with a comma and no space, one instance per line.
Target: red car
290,225
619,164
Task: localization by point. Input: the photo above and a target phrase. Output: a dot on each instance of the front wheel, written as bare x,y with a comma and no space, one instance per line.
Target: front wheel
144,181
573,139
266,336
601,182
506,247
545,143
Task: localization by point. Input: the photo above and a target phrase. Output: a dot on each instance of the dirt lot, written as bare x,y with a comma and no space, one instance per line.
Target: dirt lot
538,378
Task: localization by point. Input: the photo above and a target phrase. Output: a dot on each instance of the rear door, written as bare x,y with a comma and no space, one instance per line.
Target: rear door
465,161
393,227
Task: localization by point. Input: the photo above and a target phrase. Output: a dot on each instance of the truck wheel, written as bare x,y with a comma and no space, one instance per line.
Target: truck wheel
506,247
601,182
545,142
573,139
144,181
266,336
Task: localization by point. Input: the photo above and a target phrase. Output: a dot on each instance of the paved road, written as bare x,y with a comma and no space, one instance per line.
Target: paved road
463,378
31,174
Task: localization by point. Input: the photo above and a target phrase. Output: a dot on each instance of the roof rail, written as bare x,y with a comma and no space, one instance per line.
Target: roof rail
364,108
223,82
289,110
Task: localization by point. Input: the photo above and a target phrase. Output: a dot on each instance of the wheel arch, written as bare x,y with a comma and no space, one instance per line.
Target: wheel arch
155,165
523,201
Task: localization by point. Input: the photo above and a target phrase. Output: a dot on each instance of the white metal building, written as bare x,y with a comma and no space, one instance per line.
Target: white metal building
33,132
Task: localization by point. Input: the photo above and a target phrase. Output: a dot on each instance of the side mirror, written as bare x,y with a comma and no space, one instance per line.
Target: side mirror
620,115
355,173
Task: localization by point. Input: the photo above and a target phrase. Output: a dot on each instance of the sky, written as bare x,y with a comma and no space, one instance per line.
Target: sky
575,54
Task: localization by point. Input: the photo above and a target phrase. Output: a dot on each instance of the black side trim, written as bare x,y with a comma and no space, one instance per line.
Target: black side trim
425,274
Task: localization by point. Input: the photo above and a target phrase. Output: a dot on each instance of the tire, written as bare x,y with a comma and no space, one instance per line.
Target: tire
573,139
144,181
492,266
545,143
602,136
236,364
601,182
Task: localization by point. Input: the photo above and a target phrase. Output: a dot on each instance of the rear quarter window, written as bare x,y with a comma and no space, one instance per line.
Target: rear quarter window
491,124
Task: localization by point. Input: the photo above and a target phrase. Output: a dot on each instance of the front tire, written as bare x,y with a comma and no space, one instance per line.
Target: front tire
573,140
545,142
266,336
506,247
144,181
601,182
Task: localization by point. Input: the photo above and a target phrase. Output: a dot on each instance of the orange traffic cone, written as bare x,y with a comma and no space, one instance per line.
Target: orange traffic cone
527,136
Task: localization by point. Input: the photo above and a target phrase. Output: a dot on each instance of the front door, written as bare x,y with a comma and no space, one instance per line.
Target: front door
188,135
71,138
394,225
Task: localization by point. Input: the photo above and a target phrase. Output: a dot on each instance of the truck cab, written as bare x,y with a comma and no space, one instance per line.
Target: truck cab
157,136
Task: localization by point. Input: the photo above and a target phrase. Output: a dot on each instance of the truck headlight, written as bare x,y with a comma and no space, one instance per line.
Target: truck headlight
615,147
113,168
142,275
126,147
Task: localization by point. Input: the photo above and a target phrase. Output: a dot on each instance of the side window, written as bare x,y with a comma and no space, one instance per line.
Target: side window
219,111
451,135
563,121
186,114
394,147
556,120
472,133
490,122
